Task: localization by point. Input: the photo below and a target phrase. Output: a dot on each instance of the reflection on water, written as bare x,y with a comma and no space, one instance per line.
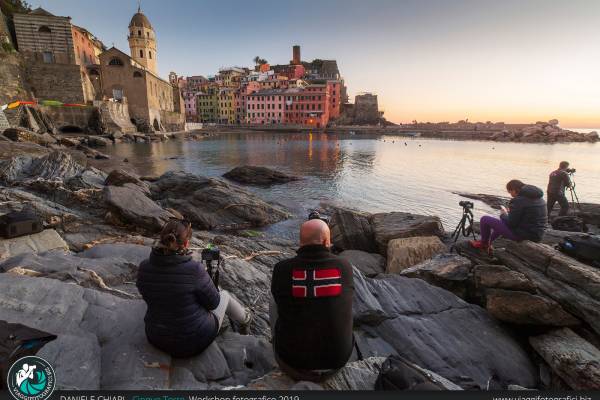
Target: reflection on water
373,173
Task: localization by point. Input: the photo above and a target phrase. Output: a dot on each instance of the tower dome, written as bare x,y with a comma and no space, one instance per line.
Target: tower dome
140,20
142,41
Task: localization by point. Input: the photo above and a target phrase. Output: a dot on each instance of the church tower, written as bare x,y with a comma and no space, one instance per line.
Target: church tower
142,41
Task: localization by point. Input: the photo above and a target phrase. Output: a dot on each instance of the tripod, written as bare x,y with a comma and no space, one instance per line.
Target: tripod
465,226
574,198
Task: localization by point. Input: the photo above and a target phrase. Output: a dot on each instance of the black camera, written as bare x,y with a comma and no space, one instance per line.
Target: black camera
466,204
571,170
317,215
209,254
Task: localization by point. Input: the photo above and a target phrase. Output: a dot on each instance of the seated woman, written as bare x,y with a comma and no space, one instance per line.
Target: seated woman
185,309
525,219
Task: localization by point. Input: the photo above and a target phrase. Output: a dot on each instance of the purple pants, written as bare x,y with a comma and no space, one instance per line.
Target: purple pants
491,228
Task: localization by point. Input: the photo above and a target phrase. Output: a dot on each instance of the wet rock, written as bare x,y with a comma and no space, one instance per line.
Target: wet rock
395,225
135,208
69,141
370,264
213,204
438,331
406,252
120,177
351,230
40,242
574,285
87,179
448,271
501,277
55,165
524,308
258,176
574,359
98,141
358,375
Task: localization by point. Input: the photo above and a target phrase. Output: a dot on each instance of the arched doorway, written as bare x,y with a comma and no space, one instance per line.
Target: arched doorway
156,125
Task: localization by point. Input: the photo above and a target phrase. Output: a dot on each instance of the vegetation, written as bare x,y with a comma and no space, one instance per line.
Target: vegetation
259,61
9,7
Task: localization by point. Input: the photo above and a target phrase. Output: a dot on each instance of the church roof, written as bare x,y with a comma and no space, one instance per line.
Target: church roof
140,20
41,11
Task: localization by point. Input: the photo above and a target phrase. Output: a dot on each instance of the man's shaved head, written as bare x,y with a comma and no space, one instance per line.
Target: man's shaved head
315,231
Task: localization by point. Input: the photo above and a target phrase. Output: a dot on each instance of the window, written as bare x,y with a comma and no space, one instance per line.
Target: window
137,74
141,53
44,29
118,94
148,35
115,61
48,57
139,33
150,55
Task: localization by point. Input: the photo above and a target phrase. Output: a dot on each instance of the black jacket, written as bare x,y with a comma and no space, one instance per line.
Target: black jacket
313,292
527,216
179,294
558,181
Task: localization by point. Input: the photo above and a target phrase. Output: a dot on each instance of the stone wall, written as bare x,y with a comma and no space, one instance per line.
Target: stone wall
3,122
68,118
366,109
12,82
60,82
114,117
172,121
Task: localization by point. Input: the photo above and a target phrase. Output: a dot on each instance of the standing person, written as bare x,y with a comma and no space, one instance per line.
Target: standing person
185,309
557,183
311,308
525,219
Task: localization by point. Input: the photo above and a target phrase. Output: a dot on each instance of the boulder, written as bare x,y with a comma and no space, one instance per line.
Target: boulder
369,264
120,177
98,141
524,308
406,252
213,204
351,230
258,176
438,331
87,179
572,284
69,141
395,225
40,242
592,136
574,359
358,375
553,122
501,277
24,135
135,208
448,271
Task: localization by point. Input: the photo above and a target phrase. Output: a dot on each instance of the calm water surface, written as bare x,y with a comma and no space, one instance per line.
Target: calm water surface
374,174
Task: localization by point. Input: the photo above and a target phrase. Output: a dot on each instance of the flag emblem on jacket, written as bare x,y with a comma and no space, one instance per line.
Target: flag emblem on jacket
316,283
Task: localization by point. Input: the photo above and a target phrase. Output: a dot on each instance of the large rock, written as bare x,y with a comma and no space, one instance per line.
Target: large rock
135,208
436,330
40,242
109,331
120,177
369,264
351,230
395,225
448,271
574,359
406,252
24,135
574,285
501,277
258,176
213,204
524,308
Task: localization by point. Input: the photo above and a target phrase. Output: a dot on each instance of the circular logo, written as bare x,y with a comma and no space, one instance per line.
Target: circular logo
31,378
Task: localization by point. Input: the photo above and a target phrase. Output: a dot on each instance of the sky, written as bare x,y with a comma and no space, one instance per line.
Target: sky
427,60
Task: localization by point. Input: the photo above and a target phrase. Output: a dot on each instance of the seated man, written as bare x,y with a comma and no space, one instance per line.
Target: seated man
525,219
311,309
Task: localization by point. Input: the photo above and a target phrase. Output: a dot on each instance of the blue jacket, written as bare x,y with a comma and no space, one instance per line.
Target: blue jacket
179,294
528,216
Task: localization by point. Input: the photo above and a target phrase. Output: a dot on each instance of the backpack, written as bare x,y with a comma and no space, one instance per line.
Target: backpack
569,223
585,248
399,374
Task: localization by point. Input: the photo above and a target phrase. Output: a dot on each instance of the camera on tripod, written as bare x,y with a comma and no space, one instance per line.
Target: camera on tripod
317,215
208,255
466,204
571,170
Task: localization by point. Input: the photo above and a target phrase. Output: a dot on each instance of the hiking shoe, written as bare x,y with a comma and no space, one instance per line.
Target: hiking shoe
244,327
478,244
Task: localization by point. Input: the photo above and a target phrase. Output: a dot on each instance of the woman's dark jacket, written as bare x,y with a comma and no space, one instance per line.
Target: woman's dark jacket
179,294
528,216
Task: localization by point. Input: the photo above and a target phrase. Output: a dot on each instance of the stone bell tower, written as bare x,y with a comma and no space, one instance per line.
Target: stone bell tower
142,41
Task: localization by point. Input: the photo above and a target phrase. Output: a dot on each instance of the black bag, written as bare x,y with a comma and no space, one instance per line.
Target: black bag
585,248
399,374
17,341
569,223
20,223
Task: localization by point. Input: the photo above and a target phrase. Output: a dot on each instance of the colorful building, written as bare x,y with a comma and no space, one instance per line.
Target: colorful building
189,105
265,107
207,105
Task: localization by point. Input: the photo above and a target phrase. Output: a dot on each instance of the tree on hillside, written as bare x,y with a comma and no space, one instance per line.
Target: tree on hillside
9,7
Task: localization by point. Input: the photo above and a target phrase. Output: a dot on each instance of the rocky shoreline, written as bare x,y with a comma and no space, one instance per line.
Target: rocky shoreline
523,318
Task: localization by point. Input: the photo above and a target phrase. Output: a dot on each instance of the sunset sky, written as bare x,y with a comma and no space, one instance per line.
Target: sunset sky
429,60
